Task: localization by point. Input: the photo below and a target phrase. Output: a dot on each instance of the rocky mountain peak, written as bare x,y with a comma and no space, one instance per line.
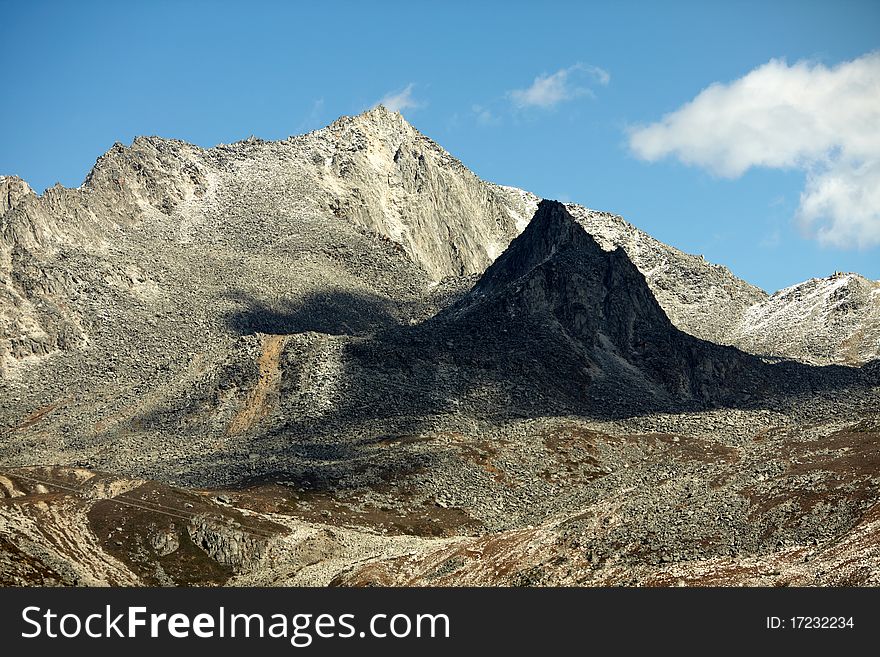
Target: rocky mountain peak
379,172
553,231
597,304
381,116
12,190
368,129
556,268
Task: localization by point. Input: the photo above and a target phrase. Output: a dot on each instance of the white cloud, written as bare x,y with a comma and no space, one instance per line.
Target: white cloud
484,115
841,203
825,121
549,90
397,101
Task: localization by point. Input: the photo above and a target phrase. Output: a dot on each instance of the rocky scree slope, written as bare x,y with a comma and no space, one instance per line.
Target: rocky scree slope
372,182
823,320
789,505
556,326
576,506
57,248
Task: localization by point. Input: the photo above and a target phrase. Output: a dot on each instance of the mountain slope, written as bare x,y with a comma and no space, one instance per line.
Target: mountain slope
365,197
701,298
824,320
555,326
446,219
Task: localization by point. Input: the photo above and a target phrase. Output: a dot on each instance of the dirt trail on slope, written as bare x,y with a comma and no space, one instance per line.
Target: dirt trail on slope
258,405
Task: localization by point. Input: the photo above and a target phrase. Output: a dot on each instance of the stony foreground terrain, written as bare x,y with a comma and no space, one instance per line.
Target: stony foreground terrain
577,507
342,358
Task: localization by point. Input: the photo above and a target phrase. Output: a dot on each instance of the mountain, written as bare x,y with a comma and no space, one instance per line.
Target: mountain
338,188
261,287
556,325
823,320
345,346
367,188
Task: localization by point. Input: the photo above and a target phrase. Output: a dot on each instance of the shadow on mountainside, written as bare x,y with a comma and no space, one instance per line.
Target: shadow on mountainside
401,387
555,327
334,312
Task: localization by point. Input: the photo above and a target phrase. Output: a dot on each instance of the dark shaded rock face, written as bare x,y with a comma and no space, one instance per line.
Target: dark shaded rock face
598,304
556,270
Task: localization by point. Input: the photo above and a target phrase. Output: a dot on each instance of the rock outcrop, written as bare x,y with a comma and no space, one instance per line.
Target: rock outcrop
12,190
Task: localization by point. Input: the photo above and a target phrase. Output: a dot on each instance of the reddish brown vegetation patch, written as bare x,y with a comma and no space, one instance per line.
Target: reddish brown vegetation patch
574,453
127,527
483,454
843,467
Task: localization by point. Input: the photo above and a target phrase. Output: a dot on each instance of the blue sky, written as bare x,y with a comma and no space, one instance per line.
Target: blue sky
546,96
